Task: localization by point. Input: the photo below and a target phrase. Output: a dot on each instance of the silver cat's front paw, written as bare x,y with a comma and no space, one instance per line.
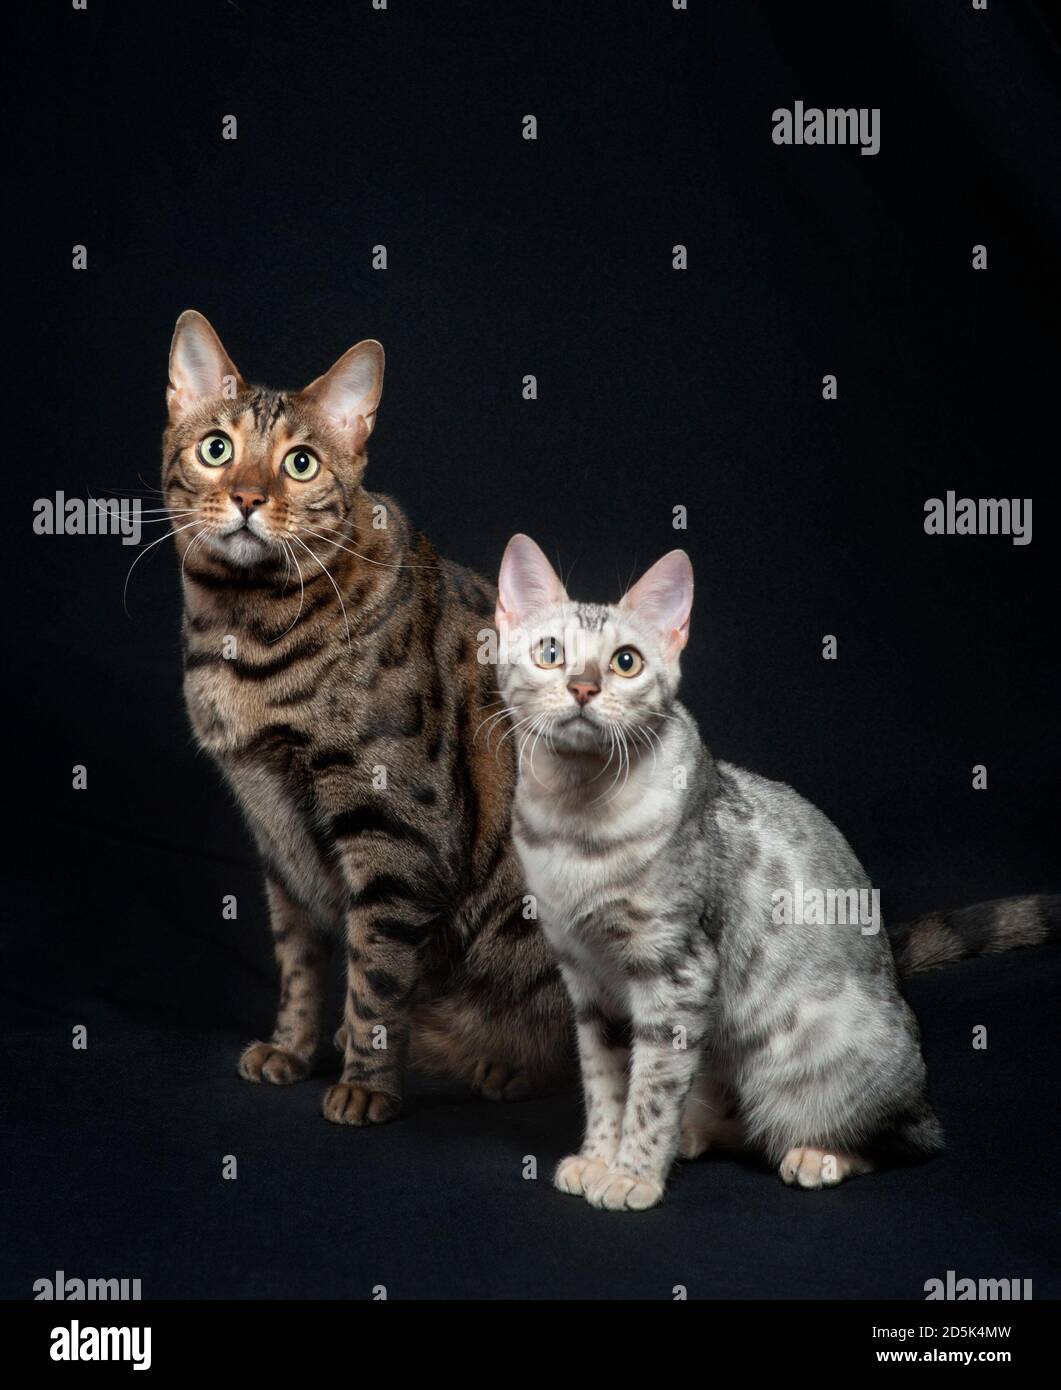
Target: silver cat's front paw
615,1190
576,1171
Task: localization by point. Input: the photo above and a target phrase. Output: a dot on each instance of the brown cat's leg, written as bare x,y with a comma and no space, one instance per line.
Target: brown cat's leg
452,1040
503,1022
302,954
386,932
709,1119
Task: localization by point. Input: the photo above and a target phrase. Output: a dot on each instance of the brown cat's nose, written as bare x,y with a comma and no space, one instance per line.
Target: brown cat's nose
583,691
246,499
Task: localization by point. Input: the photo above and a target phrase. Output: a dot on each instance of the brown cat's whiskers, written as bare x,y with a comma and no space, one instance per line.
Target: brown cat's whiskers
328,572
161,520
154,515
125,589
291,556
144,511
383,564
196,540
131,492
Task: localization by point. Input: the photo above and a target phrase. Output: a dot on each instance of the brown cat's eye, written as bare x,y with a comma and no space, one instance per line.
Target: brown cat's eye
301,465
214,450
627,661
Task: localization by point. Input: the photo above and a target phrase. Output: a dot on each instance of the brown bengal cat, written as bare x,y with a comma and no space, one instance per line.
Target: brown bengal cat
331,669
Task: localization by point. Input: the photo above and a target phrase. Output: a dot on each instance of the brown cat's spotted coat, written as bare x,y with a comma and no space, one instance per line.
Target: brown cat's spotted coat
331,670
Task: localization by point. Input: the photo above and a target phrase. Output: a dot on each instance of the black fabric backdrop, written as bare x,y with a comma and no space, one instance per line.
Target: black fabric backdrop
657,388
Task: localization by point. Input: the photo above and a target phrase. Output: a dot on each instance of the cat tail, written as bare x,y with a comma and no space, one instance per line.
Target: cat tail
982,929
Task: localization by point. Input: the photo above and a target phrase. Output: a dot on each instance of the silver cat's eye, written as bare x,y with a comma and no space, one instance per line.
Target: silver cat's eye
548,654
301,465
215,450
627,661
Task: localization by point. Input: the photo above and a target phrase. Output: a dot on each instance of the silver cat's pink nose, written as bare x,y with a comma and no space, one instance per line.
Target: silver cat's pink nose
583,691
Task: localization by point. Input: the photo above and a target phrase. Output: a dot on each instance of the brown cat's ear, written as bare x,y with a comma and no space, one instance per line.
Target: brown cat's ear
349,392
663,598
198,365
526,583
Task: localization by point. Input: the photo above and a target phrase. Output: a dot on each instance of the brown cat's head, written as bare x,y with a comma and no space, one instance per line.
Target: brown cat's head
247,470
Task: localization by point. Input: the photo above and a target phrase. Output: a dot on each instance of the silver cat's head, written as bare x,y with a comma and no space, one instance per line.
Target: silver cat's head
586,675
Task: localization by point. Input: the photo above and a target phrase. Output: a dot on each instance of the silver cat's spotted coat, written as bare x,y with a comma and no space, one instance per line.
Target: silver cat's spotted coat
700,1020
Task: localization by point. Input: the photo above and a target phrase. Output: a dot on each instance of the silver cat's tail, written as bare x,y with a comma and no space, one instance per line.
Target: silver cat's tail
982,929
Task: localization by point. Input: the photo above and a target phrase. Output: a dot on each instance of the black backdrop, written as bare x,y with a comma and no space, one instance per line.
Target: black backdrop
657,388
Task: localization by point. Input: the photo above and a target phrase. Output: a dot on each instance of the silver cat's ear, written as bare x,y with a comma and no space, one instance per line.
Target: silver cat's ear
199,366
349,392
663,598
527,582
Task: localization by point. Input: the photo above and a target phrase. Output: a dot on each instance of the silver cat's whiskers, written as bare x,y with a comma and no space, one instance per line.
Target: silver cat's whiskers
623,768
516,726
535,728
506,710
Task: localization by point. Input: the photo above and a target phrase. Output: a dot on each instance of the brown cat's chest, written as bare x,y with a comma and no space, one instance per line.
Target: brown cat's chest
263,751
228,712
236,685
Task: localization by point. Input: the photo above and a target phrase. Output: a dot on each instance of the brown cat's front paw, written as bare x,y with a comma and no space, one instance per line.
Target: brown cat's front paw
614,1190
350,1104
265,1062
498,1081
